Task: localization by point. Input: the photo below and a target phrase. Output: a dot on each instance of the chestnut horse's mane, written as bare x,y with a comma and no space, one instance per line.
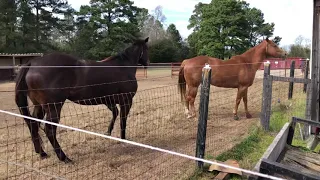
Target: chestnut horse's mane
249,50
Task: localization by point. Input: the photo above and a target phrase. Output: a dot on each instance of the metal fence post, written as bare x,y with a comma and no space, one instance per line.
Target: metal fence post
203,113
266,97
292,67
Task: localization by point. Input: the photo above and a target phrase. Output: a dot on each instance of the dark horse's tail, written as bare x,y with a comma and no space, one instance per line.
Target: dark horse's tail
20,90
182,83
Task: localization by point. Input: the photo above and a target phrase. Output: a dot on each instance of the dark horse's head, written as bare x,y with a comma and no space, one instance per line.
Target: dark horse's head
138,52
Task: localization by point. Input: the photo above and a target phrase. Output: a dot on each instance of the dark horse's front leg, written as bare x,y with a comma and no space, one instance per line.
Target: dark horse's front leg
53,115
124,111
115,112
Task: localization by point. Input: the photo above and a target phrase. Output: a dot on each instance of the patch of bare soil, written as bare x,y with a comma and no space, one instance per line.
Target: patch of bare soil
156,118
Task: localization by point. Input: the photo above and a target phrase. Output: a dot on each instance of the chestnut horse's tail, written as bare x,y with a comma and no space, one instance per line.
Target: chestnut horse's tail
20,90
182,84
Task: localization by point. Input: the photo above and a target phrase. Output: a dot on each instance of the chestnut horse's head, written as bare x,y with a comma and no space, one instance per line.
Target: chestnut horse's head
272,50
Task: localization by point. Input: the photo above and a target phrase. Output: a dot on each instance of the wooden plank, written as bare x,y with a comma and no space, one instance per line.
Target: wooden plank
291,79
314,157
290,162
276,147
305,121
304,161
222,176
229,162
289,171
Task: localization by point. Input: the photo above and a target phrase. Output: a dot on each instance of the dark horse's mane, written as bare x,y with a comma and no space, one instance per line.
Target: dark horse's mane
123,54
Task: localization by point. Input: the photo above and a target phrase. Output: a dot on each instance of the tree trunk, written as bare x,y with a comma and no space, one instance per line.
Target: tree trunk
37,24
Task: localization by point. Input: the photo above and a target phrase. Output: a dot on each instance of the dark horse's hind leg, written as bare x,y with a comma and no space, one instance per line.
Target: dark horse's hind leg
36,139
53,115
39,114
115,113
124,111
33,127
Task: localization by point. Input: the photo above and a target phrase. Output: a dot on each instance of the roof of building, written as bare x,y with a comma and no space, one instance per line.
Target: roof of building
21,55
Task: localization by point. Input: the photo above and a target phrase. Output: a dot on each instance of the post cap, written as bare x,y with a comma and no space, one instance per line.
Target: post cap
267,63
207,66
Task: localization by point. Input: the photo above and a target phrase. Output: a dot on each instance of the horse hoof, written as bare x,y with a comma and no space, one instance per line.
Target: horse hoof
123,135
186,113
236,117
108,133
248,115
43,155
68,161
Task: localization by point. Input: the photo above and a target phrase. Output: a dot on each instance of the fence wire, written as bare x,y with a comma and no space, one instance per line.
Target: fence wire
143,145
282,104
156,118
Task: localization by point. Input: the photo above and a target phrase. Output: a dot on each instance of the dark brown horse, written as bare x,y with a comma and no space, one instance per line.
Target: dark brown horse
237,72
112,82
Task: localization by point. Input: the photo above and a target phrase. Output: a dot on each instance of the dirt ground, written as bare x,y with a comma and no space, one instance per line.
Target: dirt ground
156,118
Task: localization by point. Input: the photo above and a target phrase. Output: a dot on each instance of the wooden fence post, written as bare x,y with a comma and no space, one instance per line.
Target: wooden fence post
306,73
306,128
315,73
292,67
146,72
203,113
266,97
285,68
172,70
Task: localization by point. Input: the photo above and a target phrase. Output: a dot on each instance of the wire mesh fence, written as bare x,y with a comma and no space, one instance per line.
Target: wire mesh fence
283,104
156,118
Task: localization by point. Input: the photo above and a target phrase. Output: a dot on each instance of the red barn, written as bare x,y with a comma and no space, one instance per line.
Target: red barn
279,63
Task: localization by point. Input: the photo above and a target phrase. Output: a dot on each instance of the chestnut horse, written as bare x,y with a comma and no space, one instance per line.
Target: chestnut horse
237,72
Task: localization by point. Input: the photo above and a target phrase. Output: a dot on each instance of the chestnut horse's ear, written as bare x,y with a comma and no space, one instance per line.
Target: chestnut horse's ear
147,39
267,39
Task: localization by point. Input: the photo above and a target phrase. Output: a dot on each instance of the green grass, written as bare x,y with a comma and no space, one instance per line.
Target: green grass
251,149
247,153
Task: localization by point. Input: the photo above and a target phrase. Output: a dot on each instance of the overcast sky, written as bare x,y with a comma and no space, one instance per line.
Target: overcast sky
291,17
